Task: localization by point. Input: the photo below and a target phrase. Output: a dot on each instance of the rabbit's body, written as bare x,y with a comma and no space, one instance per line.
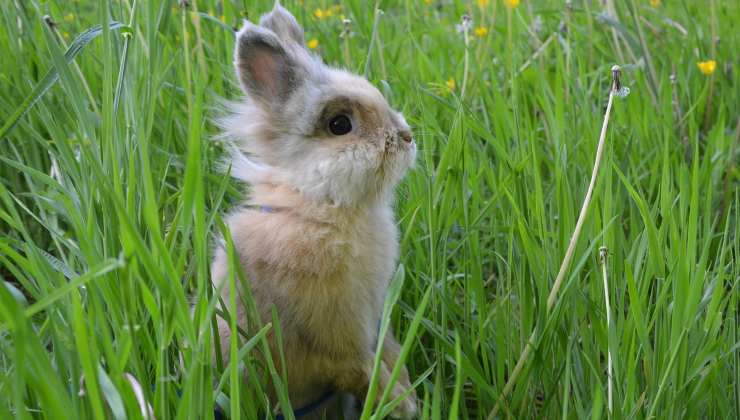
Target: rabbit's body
326,274
322,151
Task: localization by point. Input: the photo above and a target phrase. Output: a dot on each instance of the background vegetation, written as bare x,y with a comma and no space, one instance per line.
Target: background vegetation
110,197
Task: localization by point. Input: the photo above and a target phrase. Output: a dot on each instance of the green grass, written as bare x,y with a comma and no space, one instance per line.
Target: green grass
111,197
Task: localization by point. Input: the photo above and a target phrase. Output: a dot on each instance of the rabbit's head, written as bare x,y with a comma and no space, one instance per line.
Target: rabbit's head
324,132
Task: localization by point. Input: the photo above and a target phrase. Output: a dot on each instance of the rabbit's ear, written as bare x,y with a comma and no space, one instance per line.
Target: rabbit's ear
285,26
267,71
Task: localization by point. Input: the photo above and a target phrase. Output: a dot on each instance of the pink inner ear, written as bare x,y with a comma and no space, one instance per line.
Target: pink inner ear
264,71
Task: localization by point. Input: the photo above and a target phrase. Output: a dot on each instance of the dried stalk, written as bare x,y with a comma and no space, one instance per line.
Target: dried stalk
551,299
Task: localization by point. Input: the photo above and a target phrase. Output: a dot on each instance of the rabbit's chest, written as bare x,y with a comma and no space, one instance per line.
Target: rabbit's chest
348,299
327,284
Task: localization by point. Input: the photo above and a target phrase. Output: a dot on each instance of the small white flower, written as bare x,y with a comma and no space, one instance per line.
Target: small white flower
537,24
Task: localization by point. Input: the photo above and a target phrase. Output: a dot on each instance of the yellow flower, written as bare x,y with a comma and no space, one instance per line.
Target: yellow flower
483,3
428,1
707,67
323,13
336,8
450,84
313,43
69,17
511,3
223,18
481,31
655,3
66,35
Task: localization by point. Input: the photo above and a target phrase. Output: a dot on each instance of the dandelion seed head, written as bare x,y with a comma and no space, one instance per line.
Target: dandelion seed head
466,22
346,28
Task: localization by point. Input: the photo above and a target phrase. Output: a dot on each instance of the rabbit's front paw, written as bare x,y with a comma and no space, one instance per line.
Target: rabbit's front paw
407,408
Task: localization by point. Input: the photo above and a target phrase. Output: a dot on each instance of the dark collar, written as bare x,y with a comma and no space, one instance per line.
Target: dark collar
307,409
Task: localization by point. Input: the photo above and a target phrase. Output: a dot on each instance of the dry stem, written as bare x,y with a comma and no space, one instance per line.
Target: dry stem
603,253
551,299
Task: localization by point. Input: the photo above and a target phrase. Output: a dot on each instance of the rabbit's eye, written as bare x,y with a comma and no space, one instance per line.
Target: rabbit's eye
340,125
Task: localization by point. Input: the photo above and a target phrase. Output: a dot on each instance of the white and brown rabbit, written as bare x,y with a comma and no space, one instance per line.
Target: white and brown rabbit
322,151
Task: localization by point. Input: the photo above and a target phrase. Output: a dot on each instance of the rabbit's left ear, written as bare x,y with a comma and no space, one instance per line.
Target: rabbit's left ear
284,24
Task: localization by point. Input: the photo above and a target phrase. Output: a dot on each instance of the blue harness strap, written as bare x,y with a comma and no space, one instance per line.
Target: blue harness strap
218,414
310,407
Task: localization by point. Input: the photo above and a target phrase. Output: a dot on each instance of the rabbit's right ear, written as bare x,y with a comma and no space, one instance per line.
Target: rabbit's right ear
266,70
284,24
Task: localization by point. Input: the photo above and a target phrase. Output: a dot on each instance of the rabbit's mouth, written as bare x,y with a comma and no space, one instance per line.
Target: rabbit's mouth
391,148
397,151
400,143
406,136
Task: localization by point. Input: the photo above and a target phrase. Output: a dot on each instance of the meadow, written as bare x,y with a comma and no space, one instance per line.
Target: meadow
112,194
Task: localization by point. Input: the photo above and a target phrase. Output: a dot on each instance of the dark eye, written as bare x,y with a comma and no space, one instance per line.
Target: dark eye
340,125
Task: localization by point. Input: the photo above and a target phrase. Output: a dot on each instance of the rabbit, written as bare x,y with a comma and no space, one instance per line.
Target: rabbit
322,152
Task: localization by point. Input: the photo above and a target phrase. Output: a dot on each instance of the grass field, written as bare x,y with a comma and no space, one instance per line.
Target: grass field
111,196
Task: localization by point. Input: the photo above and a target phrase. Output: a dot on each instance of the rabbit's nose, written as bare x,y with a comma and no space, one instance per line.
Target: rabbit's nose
406,135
